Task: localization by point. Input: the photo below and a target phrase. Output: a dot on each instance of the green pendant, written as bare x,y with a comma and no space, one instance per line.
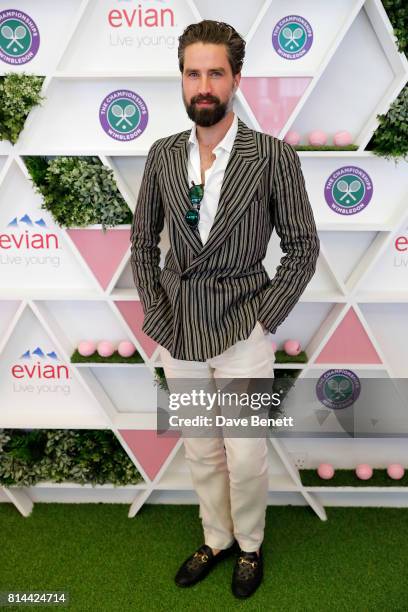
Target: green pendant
192,218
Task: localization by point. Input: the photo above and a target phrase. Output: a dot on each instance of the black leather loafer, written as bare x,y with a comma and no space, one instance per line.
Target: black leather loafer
248,573
199,564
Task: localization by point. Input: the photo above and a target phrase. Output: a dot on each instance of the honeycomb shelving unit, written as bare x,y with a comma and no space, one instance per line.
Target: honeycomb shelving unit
353,313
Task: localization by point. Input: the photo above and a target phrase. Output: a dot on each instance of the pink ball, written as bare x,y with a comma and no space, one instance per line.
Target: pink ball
86,348
292,137
292,347
364,471
342,138
126,348
395,471
317,138
325,471
105,348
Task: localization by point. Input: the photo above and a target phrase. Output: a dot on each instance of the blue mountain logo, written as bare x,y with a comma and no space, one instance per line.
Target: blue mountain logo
38,352
26,219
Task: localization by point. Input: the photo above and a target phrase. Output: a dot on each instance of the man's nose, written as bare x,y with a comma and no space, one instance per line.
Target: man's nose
204,87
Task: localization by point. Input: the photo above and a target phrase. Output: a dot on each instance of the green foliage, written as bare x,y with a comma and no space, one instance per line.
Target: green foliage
349,478
78,191
390,140
281,356
284,380
59,455
397,11
160,379
76,357
19,92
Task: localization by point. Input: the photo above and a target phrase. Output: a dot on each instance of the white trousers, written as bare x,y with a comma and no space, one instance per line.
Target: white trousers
230,475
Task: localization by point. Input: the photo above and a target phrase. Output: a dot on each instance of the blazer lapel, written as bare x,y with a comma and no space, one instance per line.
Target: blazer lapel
176,170
241,178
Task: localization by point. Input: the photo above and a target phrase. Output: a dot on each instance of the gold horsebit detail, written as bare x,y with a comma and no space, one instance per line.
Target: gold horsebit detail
243,560
198,557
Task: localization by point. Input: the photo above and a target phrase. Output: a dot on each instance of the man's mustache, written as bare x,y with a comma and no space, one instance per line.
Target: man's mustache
197,100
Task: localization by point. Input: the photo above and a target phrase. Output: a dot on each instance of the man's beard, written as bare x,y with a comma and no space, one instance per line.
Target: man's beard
206,116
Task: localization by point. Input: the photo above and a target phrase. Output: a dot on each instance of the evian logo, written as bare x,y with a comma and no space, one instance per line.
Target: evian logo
41,367
28,236
143,25
401,250
141,16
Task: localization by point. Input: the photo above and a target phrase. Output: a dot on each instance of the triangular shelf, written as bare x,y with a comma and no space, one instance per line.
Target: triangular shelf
77,125
107,29
388,323
303,322
388,276
342,110
39,386
124,285
262,59
323,284
8,311
349,343
150,449
131,390
38,253
273,99
93,320
102,251
53,33
227,12
344,260
384,181
132,312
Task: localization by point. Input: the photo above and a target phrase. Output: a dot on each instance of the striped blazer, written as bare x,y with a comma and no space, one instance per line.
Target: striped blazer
207,297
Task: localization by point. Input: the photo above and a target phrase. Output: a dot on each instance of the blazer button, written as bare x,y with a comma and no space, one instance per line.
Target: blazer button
184,276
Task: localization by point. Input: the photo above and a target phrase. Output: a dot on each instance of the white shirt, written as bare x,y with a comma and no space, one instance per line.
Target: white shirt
213,176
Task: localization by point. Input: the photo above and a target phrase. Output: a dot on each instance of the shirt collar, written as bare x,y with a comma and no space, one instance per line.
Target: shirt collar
226,143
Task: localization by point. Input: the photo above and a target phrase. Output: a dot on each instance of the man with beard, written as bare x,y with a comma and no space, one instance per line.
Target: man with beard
222,188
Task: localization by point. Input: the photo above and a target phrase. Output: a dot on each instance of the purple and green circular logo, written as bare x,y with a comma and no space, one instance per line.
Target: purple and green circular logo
19,37
123,115
338,389
292,37
348,190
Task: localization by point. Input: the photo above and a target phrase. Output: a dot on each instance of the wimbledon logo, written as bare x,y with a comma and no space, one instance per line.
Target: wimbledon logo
123,115
338,389
292,37
19,37
348,190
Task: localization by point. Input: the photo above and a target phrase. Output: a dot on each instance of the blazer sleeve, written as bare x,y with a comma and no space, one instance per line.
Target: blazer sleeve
295,225
147,224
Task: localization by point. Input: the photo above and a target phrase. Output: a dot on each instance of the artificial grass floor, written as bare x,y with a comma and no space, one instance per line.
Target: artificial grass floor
357,560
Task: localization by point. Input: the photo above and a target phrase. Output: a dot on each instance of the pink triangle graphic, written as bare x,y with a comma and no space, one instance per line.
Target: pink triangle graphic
349,343
132,312
150,449
102,251
273,99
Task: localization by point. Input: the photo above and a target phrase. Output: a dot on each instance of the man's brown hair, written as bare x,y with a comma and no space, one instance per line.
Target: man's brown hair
218,33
